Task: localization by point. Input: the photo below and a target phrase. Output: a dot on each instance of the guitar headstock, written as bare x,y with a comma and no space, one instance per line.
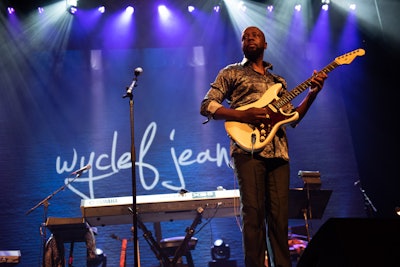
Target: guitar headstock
349,57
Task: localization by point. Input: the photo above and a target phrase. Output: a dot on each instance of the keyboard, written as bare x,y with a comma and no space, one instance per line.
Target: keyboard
161,207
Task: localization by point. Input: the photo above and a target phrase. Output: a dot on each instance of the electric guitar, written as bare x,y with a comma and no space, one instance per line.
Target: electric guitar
255,137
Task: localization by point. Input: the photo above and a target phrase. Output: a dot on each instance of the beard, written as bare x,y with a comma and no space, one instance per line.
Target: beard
253,53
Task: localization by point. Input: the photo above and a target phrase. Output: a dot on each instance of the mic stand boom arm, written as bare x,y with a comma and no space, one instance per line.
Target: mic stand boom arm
369,207
45,203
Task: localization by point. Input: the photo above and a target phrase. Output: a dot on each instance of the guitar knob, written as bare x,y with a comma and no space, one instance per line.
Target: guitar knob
262,125
263,132
262,138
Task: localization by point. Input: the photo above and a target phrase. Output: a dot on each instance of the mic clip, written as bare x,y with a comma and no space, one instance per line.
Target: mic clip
129,89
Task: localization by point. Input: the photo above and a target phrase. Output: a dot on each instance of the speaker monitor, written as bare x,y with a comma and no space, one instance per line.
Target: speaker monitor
354,242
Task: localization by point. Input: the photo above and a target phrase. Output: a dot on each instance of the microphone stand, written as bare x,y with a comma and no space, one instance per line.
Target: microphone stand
45,203
307,213
369,207
133,161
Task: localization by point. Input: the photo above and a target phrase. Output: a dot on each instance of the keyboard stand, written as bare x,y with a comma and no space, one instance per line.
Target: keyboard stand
182,250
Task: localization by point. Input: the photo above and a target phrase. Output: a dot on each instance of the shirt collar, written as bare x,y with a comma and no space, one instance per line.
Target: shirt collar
246,61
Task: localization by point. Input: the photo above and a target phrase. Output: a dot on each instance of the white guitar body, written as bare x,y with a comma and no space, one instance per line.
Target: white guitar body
255,138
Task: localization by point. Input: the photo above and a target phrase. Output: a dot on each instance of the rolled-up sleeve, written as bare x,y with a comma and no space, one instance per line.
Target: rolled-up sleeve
214,97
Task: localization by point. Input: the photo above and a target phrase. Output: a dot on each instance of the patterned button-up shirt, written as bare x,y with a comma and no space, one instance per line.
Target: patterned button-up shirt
238,84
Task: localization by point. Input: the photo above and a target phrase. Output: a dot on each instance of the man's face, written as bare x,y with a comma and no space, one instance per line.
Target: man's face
253,42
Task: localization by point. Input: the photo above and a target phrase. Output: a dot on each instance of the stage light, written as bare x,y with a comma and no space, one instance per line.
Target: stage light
129,10
270,8
71,6
102,9
397,210
163,12
220,250
325,4
11,10
191,9
72,9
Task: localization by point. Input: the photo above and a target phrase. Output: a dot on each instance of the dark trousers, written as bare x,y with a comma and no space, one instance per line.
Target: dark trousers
264,189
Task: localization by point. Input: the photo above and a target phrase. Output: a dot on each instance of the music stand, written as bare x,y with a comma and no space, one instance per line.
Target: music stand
307,204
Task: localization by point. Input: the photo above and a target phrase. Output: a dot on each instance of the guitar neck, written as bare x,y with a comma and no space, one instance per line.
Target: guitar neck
286,98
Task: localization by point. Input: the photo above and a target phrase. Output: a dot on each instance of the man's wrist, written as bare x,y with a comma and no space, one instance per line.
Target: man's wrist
313,93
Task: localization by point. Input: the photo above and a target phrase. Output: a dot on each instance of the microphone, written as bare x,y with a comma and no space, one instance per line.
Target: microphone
129,90
79,171
138,71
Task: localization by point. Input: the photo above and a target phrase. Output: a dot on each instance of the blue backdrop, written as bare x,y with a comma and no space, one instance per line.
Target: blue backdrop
62,108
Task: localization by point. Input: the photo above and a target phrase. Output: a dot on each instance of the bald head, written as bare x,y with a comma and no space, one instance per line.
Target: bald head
254,31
